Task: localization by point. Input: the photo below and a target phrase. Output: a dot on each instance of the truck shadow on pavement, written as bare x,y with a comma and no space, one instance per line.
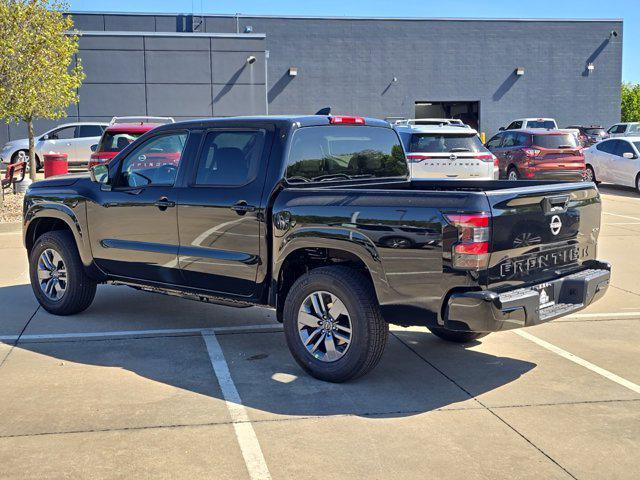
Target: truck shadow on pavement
418,372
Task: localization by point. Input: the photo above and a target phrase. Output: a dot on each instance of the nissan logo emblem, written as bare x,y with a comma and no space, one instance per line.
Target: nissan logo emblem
555,225
452,156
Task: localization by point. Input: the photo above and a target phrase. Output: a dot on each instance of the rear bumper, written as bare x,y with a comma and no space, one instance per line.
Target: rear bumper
487,311
562,175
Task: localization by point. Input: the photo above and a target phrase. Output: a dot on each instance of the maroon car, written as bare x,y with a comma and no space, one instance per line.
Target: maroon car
538,154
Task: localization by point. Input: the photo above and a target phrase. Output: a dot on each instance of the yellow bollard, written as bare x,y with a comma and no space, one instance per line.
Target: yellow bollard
483,138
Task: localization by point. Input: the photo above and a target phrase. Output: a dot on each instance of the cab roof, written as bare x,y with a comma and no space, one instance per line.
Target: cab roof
436,129
132,127
297,120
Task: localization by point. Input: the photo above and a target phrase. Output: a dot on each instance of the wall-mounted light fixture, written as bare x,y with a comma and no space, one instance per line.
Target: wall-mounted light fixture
293,71
248,29
613,34
520,71
591,67
394,79
251,59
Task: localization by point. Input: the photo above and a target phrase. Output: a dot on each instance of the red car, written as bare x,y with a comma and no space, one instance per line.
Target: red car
538,154
120,133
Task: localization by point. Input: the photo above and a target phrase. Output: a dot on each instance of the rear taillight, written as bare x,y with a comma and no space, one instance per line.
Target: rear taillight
471,251
532,152
346,120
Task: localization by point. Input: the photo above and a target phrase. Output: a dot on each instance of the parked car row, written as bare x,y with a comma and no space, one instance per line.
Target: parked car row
527,148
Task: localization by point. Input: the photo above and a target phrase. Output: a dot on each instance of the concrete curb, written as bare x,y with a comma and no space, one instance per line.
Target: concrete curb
10,226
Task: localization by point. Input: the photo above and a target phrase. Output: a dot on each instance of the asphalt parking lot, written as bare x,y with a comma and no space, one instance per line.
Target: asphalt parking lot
147,386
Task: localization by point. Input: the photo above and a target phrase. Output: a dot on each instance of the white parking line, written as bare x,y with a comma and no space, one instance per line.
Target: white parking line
246,435
580,361
605,315
136,333
621,216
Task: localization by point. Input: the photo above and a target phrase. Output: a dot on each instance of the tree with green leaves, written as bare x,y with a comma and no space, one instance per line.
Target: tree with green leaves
630,102
39,72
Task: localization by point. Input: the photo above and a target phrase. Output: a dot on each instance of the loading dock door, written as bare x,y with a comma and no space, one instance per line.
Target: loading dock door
468,112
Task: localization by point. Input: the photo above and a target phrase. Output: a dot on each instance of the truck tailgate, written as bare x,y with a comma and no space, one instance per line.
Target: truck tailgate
540,232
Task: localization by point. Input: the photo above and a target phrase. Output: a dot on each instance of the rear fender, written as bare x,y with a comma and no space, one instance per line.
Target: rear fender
334,238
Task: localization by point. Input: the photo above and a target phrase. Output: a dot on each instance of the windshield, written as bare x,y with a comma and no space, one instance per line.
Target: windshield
116,141
344,153
445,143
595,131
566,140
541,124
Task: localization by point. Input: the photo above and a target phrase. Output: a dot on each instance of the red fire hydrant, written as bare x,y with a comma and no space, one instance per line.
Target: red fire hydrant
55,164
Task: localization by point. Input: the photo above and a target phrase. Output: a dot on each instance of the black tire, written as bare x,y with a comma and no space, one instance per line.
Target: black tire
369,331
456,337
591,172
80,289
14,159
513,171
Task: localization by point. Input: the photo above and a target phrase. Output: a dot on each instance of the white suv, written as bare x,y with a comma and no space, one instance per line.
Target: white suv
520,123
447,151
73,139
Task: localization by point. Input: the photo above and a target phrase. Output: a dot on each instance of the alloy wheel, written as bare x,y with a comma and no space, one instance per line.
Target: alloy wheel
52,274
512,175
324,326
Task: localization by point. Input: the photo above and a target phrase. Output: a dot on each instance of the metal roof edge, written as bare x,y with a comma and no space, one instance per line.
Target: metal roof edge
319,17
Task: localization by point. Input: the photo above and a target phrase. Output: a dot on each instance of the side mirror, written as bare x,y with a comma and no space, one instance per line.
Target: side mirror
501,129
629,155
94,147
44,137
99,173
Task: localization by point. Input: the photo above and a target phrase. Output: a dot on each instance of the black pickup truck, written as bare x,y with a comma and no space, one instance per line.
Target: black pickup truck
316,217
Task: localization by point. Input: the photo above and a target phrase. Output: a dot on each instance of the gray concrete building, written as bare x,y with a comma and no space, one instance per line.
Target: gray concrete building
197,66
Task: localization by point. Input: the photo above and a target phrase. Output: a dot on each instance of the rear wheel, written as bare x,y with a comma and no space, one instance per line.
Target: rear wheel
333,325
457,337
591,175
513,174
58,279
638,183
23,156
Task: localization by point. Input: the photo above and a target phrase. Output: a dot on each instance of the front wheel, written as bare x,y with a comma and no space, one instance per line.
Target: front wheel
58,279
513,174
333,325
456,337
591,175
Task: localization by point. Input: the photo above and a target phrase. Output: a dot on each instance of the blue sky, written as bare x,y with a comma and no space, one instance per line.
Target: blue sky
628,10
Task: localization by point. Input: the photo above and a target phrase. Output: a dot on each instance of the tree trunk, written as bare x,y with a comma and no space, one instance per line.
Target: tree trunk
32,150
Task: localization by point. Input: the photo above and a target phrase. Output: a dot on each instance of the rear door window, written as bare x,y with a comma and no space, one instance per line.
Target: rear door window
90,131
230,158
325,153
445,143
63,133
566,140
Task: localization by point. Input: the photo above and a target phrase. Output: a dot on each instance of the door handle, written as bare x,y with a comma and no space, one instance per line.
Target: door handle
163,203
242,207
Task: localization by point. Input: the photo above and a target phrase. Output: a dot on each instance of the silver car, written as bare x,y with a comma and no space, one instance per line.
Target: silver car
73,139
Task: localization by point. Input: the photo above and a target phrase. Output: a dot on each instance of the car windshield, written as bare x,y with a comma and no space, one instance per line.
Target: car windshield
637,145
445,143
541,124
116,141
344,153
594,131
566,140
